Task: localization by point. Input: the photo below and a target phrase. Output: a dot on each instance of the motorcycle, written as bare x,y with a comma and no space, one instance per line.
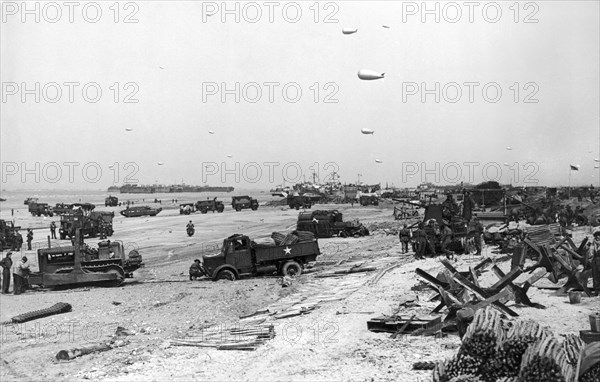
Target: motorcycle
190,231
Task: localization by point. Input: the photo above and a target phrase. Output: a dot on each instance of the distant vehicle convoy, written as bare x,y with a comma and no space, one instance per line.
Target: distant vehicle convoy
140,211
243,202
241,256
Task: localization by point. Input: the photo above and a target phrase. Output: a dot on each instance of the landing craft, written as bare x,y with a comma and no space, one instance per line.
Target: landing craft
596,160
229,156
386,26
160,163
508,148
596,166
211,132
367,131
378,161
128,129
349,31
506,164
368,74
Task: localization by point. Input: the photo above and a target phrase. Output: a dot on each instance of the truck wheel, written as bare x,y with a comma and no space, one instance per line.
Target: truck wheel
342,234
225,274
291,269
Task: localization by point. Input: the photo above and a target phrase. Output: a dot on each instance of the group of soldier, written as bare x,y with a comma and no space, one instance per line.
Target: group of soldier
19,275
425,236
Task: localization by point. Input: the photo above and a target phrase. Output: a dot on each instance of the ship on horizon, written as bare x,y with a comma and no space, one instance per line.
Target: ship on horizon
159,188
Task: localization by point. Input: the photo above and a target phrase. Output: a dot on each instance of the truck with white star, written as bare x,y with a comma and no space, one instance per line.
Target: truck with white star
241,256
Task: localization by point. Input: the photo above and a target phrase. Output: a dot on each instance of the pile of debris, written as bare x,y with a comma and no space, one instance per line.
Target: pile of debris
247,337
292,238
384,228
557,255
494,349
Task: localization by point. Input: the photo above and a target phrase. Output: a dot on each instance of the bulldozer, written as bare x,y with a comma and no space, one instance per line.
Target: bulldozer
81,264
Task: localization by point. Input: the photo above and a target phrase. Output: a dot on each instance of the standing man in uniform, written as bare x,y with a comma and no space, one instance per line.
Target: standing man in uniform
404,238
446,238
29,238
594,259
420,241
468,206
21,272
53,230
478,228
6,264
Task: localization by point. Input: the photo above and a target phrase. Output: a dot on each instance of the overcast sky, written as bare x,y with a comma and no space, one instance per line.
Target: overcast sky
174,54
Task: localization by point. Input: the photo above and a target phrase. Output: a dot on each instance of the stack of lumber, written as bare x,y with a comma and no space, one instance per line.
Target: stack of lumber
247,337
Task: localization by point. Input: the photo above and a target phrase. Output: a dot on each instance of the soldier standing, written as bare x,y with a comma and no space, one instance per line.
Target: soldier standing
6,264
29,238
594,259
478,228
53,230
20,275
446,238
404,238
468,205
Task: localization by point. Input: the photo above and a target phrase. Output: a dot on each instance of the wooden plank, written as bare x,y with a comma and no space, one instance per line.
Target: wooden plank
474,276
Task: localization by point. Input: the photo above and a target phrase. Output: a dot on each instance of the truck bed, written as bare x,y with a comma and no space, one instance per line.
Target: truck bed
307,251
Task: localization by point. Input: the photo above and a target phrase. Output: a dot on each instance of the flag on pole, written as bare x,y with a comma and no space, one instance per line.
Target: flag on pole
574,167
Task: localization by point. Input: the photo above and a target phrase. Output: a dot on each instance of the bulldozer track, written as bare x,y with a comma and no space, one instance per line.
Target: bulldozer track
57,308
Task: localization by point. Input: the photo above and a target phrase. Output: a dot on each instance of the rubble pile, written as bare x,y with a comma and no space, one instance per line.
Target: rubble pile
387,228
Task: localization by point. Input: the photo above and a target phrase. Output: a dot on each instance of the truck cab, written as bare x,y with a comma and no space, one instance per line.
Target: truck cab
240,256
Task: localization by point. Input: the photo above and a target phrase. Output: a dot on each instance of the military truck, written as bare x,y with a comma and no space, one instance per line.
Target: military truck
111,201
243,202
30,200
299,201
210,205
187,208
39,209
62,208
140,211
369,200
10,238
92,224
82,264
240,256
329,223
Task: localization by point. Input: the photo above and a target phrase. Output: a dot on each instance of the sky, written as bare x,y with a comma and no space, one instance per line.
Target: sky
169,75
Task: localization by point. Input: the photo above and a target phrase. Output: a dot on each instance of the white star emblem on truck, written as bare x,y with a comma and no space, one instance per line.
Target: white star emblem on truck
315,220
287,250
